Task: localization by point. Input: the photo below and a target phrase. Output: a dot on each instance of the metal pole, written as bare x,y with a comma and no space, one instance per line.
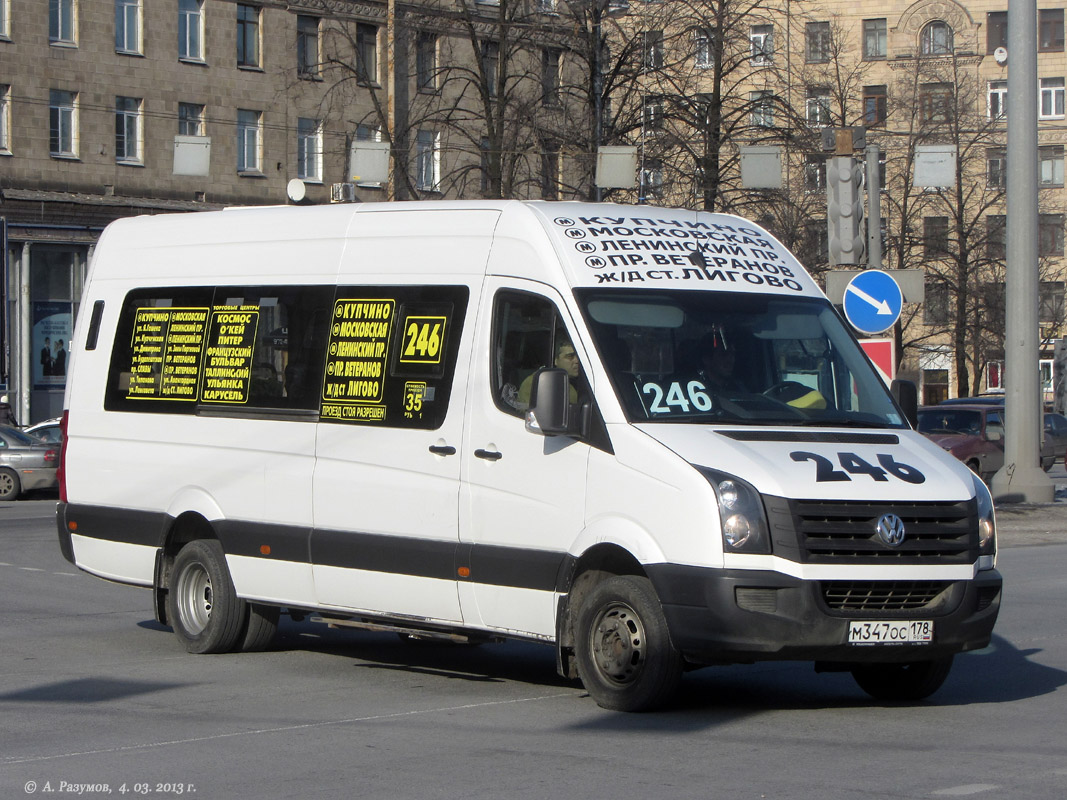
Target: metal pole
874,209
1021,479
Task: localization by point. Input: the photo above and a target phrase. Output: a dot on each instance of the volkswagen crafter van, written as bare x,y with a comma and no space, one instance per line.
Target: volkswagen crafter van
642,436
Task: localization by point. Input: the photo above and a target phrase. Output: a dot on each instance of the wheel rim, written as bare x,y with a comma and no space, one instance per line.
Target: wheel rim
618,644
7,484
194,598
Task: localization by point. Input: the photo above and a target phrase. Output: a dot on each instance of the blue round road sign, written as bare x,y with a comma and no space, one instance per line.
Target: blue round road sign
872,301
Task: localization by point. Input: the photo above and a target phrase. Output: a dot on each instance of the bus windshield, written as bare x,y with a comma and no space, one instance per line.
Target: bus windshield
685,356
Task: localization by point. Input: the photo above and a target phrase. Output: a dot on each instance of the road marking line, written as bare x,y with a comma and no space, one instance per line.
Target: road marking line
283,729
969,789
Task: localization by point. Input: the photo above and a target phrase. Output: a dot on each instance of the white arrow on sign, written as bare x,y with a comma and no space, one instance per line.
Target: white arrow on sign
883,306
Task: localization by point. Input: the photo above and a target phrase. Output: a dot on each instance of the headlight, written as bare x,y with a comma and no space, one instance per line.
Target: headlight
987,525
743,521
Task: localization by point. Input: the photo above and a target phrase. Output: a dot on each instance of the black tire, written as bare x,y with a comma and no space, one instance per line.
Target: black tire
902,683
625,656
202,606
10,487
262,625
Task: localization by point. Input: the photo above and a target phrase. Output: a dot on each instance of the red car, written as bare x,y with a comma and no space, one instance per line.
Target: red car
974,434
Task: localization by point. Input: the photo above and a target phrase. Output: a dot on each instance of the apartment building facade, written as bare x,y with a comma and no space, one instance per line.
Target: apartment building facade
911,75
112,108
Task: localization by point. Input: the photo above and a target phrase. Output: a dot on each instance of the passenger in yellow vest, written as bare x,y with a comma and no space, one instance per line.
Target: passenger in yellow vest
567,360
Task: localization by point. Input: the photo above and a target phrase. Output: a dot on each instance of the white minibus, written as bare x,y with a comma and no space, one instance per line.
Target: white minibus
639,435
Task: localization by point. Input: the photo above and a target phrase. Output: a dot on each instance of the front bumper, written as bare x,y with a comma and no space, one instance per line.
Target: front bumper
731,616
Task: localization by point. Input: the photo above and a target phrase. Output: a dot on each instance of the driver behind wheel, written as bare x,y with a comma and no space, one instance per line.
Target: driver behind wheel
800,396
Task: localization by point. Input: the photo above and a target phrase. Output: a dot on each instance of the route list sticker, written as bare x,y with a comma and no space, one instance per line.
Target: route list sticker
228,366
168,344
354,384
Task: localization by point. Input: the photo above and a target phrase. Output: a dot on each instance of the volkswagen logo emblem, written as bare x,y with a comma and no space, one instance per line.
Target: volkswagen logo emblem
890,529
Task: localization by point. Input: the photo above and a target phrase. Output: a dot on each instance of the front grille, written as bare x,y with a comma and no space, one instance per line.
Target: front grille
881,595
845,532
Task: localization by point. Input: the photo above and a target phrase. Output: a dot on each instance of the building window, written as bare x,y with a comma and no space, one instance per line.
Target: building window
426,61
63,123
366,133
484,148
652,178
128,26
367,52
1050,165
936,300
761,44
427,161
550,170
249,141
1050,302
309,149
817,107
1050,234
1050,30
936,39
652,49
874,39
5,19
997,99
935,237
815,173
996,232
996,168
762,103
817,41
307,46
61,22
875,105
550,77
128,129
935,103
247,35
490,65
191,30
1051,98
996,23
190,119
5,117
703,44
652,119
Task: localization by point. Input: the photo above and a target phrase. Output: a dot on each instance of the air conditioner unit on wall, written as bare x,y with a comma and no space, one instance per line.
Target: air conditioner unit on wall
343,193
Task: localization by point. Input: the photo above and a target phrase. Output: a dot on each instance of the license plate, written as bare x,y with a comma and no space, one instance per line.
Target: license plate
918,632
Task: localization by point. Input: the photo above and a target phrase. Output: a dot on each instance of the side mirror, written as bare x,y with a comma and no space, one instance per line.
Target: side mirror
906,393
551,413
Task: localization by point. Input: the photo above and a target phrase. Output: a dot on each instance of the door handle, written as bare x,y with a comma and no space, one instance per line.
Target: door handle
442,450
488,455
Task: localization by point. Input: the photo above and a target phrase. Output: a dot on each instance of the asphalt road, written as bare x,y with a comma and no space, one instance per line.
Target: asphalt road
96,698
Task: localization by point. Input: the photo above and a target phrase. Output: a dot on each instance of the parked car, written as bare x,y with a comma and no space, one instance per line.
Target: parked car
25,463
983,400
51,432
1056,433
975,435
1054,443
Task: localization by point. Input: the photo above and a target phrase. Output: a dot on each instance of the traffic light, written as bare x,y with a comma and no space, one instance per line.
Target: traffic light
844,210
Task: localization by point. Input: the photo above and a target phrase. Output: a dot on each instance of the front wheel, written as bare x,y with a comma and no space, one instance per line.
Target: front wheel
202,605
625,656
902,682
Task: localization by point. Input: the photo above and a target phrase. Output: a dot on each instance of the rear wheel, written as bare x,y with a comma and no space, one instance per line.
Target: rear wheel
625,656
902,682
10,488
202,605
262,625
